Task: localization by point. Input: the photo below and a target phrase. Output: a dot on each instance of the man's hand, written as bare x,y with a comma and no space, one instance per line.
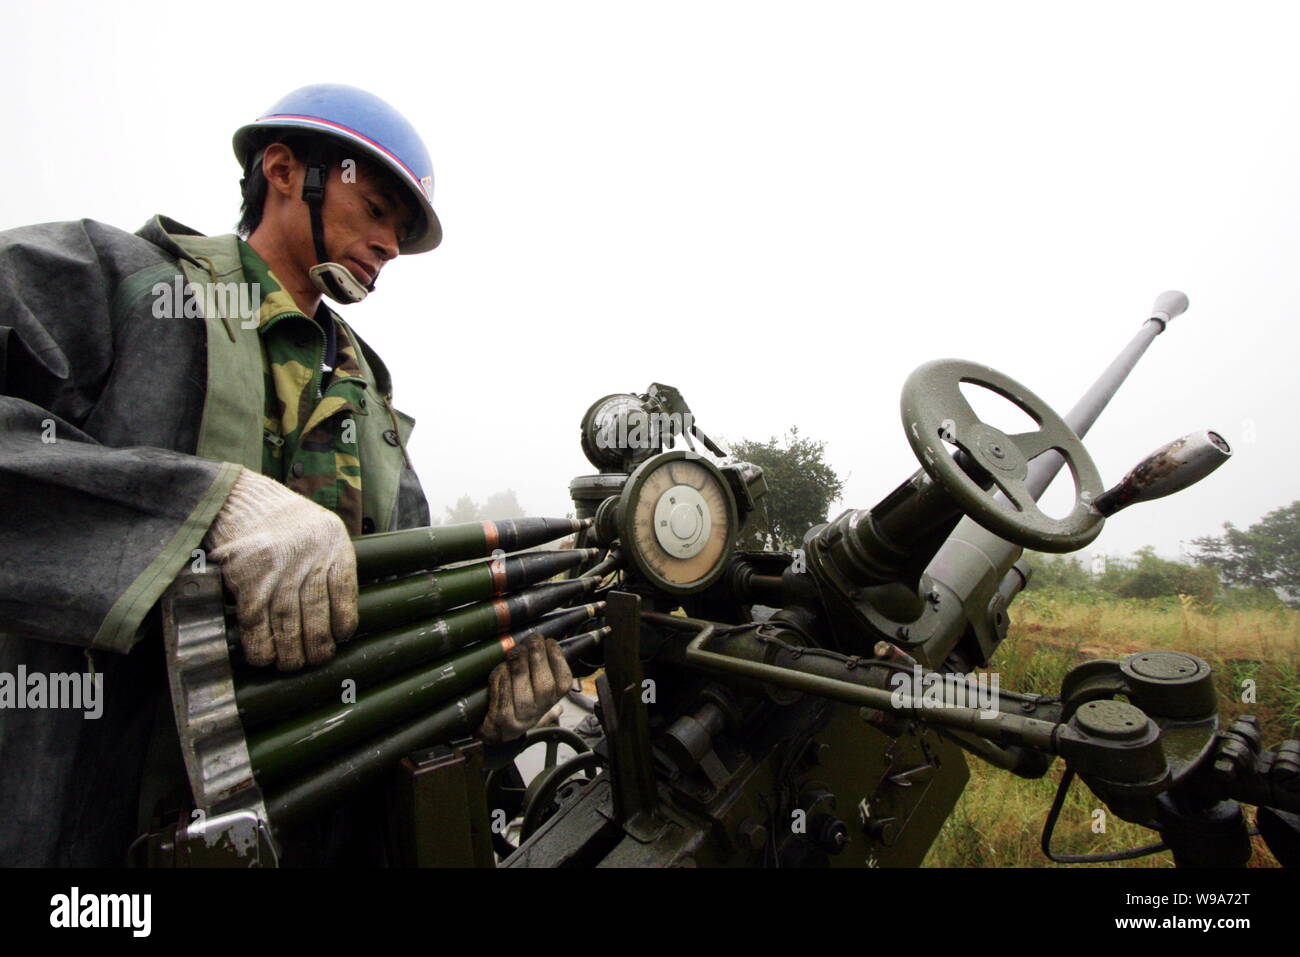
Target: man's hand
291,567
524,687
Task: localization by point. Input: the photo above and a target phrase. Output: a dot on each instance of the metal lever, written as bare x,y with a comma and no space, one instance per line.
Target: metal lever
1170,468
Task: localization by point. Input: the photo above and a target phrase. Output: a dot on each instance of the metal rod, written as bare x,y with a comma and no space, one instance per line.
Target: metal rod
1030,732
982,748
1084,414
604,566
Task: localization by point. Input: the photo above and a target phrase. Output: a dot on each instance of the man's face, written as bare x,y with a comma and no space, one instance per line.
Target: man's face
365,218
365,214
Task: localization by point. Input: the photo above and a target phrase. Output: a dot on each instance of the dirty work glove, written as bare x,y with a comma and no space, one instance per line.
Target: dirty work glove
291,567
524,687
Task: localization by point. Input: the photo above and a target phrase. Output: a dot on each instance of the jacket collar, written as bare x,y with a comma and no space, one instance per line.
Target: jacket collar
225,259
162,232
182,242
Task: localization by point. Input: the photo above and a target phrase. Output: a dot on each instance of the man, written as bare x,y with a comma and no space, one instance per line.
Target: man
163,394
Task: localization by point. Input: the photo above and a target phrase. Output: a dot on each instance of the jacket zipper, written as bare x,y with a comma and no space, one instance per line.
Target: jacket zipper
317,373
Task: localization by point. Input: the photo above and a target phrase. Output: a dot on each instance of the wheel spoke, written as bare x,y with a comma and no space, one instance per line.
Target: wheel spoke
959,418
1032,444
936,410
1015,490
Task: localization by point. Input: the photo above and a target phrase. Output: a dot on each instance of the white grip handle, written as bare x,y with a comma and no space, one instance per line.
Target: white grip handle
1169,305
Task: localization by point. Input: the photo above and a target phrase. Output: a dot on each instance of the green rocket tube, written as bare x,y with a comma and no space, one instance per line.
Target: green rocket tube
414,549
389,604
263,696
310,738
359,767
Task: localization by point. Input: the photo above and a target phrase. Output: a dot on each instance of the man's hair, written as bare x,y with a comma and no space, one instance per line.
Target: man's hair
254,184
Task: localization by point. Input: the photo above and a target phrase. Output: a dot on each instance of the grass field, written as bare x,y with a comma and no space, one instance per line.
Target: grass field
999,819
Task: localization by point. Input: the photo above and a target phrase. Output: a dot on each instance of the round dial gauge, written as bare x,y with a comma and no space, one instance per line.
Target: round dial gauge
613,426
678,521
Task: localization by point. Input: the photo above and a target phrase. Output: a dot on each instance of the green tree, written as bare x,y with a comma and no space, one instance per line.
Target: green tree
1058,571
1145,575
801,488
465,510
1266,555
499,505
502,505
1154,577
1114,574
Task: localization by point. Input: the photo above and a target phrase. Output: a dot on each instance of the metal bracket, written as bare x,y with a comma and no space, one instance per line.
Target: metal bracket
236,839
627,721
203,699
443,808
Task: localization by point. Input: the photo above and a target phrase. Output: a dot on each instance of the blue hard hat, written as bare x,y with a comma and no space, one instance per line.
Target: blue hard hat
363,120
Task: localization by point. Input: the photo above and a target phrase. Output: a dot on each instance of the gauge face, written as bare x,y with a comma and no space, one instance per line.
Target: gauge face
678,522
612,426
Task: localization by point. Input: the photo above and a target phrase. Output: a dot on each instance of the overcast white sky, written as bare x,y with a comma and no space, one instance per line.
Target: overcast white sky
779,208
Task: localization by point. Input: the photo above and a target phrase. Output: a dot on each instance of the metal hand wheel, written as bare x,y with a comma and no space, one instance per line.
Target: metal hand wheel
537,802
935,412
555,787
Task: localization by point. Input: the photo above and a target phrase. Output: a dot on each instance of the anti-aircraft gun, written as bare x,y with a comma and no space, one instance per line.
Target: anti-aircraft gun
810,707
772,694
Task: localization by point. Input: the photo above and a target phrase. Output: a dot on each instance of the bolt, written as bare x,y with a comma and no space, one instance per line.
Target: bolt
885,830
933,596
817,752
753,833
902,632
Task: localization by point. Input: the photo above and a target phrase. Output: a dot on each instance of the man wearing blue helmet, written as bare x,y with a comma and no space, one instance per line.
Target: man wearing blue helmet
166,396
339,122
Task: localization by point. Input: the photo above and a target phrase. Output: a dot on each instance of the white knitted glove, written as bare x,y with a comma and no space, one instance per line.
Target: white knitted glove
292,570
524,687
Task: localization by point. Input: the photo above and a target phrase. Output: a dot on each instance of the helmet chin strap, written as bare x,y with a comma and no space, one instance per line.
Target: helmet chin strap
336,282
332,279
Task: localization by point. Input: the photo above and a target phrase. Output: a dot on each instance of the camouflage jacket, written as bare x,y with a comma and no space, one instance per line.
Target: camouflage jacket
103,405
312,432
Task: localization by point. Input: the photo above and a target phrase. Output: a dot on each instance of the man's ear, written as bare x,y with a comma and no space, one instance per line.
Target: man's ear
282,170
